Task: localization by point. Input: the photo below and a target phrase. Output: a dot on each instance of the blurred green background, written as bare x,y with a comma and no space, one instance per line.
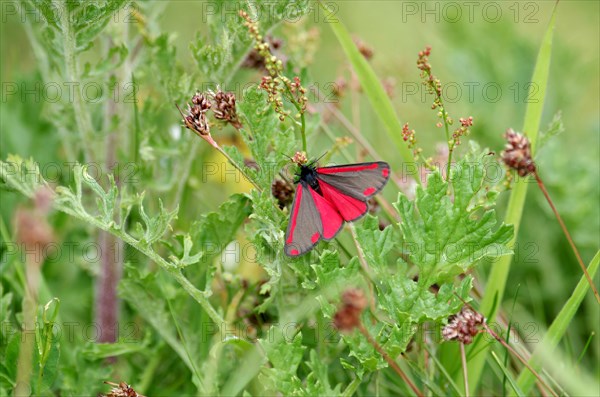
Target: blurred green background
478,48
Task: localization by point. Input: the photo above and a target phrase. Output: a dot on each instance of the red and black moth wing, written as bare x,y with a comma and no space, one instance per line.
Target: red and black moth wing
313,218
349,186
343,194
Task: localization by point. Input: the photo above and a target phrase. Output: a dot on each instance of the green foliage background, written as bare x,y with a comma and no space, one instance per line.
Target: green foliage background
169,343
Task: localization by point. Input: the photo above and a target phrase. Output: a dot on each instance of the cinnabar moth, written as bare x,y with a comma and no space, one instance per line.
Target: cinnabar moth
328,196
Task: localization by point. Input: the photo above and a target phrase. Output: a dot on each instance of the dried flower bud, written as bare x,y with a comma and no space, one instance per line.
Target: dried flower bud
283,192
517,153
224,108
202,103
195,119
389,85
463,326
348,315
299,158
121,390
33,230
365,50
339,87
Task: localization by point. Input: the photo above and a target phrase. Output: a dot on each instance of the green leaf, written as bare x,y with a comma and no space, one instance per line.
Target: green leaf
445,236
22,175
108,63
89,19
95,351
558,327
143,293
496,282
408,303
377,244
213,231
317,381
155,227
285,358
374,90
263,135
555,127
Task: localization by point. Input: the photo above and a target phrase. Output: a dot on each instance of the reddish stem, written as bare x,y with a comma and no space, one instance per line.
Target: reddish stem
387,358
516,354
564,228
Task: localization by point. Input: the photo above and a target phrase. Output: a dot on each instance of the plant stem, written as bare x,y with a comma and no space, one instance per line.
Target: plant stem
567,234
302,119
463,359
352,387
82,118
208,138
27,345
303,132
450,143
521,359
111,248
389,360
145,249
237,166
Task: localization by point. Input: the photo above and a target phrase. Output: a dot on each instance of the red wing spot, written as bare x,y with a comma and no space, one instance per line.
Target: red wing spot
294,252
385,172
315,237
369,191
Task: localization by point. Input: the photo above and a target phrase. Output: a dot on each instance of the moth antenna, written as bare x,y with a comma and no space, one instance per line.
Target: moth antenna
286,156
319,158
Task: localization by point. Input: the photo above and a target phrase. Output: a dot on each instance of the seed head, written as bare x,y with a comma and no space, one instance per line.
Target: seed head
283,192
517,153
121,389
463,326
348,315
365,50
224,108
195,118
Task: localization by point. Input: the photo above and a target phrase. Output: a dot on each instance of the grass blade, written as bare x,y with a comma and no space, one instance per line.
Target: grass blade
508,376
558,327
375,92
499,274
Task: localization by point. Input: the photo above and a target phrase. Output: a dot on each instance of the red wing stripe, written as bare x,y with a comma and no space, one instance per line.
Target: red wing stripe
297,201
347,168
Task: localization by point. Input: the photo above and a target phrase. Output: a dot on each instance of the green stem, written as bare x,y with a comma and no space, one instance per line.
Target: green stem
352,387
82,117
303,132
302,119
145,249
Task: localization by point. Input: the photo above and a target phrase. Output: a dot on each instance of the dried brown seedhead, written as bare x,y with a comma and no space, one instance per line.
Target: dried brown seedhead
283,192
463,326
224,108
517,153
195,117
121,389
348,315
